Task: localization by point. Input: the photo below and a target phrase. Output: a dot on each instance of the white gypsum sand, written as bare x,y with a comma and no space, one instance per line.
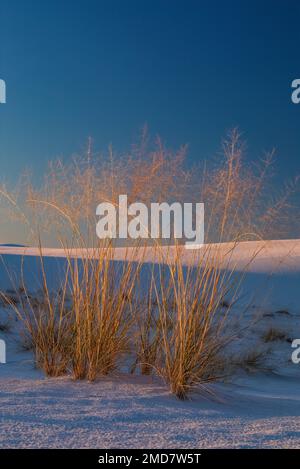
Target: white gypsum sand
249,410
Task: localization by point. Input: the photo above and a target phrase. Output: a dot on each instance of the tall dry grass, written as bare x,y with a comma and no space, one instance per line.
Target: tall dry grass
106,313
47,321
243,200
84,327
165,319
102,303
181,331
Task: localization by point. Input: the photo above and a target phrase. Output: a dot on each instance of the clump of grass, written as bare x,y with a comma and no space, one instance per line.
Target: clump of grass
192,332
45,319
47,324
252,361
9,298
5,326
84,327
274,334
102,312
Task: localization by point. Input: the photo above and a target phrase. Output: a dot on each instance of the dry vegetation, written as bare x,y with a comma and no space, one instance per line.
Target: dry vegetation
273,334
242,200
163,319
169,322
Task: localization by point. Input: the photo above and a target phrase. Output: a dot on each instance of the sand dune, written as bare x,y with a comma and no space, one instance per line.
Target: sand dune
259,410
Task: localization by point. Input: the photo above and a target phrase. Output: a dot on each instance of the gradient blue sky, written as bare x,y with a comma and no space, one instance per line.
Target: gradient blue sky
189,69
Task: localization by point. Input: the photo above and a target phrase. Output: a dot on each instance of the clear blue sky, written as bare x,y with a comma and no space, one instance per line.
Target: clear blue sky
189,69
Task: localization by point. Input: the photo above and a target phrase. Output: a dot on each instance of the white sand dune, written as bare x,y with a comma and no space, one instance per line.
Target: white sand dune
252,410
261,255
244,249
